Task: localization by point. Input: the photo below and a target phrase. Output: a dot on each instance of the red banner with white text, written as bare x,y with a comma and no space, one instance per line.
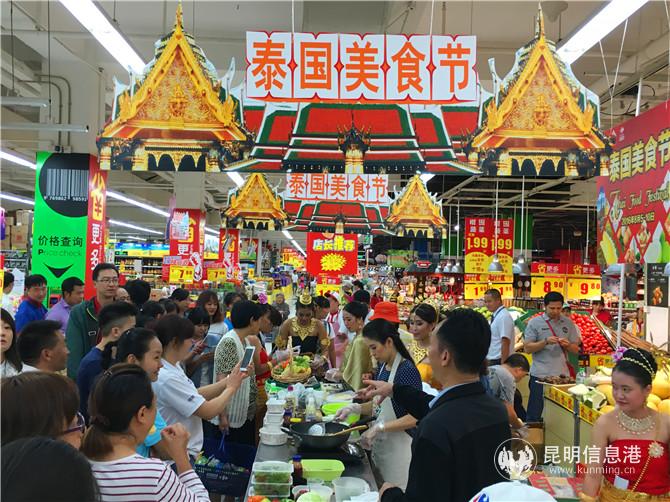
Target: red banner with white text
95,232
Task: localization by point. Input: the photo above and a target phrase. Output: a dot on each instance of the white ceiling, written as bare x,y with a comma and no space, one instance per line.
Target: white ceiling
219,28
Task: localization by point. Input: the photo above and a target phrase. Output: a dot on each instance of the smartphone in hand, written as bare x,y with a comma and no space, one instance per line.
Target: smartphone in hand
246,359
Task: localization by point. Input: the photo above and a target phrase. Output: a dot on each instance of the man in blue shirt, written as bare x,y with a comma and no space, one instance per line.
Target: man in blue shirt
32,307
115,319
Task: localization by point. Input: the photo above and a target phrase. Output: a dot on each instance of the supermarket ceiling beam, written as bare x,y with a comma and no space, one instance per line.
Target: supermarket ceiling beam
533,191
572,207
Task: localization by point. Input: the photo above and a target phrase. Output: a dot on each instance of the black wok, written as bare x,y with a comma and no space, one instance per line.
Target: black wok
323,443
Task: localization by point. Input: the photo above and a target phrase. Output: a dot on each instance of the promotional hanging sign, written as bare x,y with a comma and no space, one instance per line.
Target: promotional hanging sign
230,252
475,285
347,67
63,185
633,204
573,280
95,233
187,240
293,258
480,244
332,254
368,188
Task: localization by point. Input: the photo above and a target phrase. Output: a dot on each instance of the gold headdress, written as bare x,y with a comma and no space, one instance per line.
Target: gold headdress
305,299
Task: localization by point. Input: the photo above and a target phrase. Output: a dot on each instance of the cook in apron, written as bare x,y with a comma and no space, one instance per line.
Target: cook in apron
392,451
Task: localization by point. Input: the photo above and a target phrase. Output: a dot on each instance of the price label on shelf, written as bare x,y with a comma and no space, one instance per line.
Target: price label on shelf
601,360
181,274
475,291
506,290
583,288
540,285
216,274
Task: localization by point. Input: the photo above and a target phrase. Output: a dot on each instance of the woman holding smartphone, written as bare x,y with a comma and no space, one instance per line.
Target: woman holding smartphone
178,398
239,417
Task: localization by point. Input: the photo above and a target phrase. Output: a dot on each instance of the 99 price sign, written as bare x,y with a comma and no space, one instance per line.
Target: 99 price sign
181,274
542,284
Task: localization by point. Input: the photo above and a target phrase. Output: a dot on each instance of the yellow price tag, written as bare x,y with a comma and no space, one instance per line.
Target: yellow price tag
181,274
251,274
506,290
540,285
475,290
583,288
216,274
596,360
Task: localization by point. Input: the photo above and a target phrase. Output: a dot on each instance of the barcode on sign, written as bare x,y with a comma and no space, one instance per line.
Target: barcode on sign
67,185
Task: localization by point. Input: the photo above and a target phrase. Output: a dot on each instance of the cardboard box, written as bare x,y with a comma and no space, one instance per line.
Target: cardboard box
23,217
20,237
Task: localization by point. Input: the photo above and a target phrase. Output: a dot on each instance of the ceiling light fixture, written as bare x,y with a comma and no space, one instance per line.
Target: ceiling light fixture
119,196
598,27
16,198
134,227
11,157
22,101
94,19
33,126
237,178
426,177
287,234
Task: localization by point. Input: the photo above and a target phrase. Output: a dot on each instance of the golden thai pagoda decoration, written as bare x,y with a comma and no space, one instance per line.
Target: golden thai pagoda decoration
541,120
256,206
354,143
416,213
176,115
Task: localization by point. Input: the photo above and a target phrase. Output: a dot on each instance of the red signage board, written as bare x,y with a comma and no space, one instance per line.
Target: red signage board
332,254
480,244
187,238
230,252
634,200
95,232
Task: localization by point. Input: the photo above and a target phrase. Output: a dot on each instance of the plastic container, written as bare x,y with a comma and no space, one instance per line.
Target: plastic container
273,419
272,472
324,491
325,469
271,489
276,405
332,408
346,487
272,437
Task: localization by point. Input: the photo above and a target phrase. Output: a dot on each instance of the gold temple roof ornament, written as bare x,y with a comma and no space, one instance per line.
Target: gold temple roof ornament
255,205
415,212
541,120
176,111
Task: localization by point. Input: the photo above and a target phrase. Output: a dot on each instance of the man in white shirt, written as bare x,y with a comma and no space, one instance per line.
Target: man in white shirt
42,347
502,328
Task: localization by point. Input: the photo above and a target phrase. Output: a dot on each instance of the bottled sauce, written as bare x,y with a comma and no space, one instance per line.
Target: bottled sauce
298,478
310,407
290,399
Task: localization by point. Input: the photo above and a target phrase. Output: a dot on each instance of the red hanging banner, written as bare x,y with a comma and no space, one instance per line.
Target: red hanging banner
332,254
95,232
230,252
187,238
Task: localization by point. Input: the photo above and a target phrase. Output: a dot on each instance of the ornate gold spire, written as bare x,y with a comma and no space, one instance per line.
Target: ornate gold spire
179,17
539,28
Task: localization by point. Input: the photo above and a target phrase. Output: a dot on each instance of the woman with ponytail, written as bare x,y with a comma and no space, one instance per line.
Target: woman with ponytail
389,436
123,410
113,320
142,347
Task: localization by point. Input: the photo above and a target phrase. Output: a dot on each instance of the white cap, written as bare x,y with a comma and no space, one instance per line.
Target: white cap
512,491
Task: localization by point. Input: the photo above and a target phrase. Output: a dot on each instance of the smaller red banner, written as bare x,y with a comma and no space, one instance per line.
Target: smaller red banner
95,233
332,254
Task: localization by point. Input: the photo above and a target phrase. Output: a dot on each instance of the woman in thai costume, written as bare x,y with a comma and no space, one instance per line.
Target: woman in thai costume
306,332
422,321
632,440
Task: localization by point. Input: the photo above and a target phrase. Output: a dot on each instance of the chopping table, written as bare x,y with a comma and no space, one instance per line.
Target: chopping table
284,453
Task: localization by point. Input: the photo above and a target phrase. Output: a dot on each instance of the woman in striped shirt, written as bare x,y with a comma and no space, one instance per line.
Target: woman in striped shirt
123,409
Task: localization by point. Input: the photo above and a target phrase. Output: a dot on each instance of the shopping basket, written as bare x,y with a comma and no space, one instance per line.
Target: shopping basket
231,476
